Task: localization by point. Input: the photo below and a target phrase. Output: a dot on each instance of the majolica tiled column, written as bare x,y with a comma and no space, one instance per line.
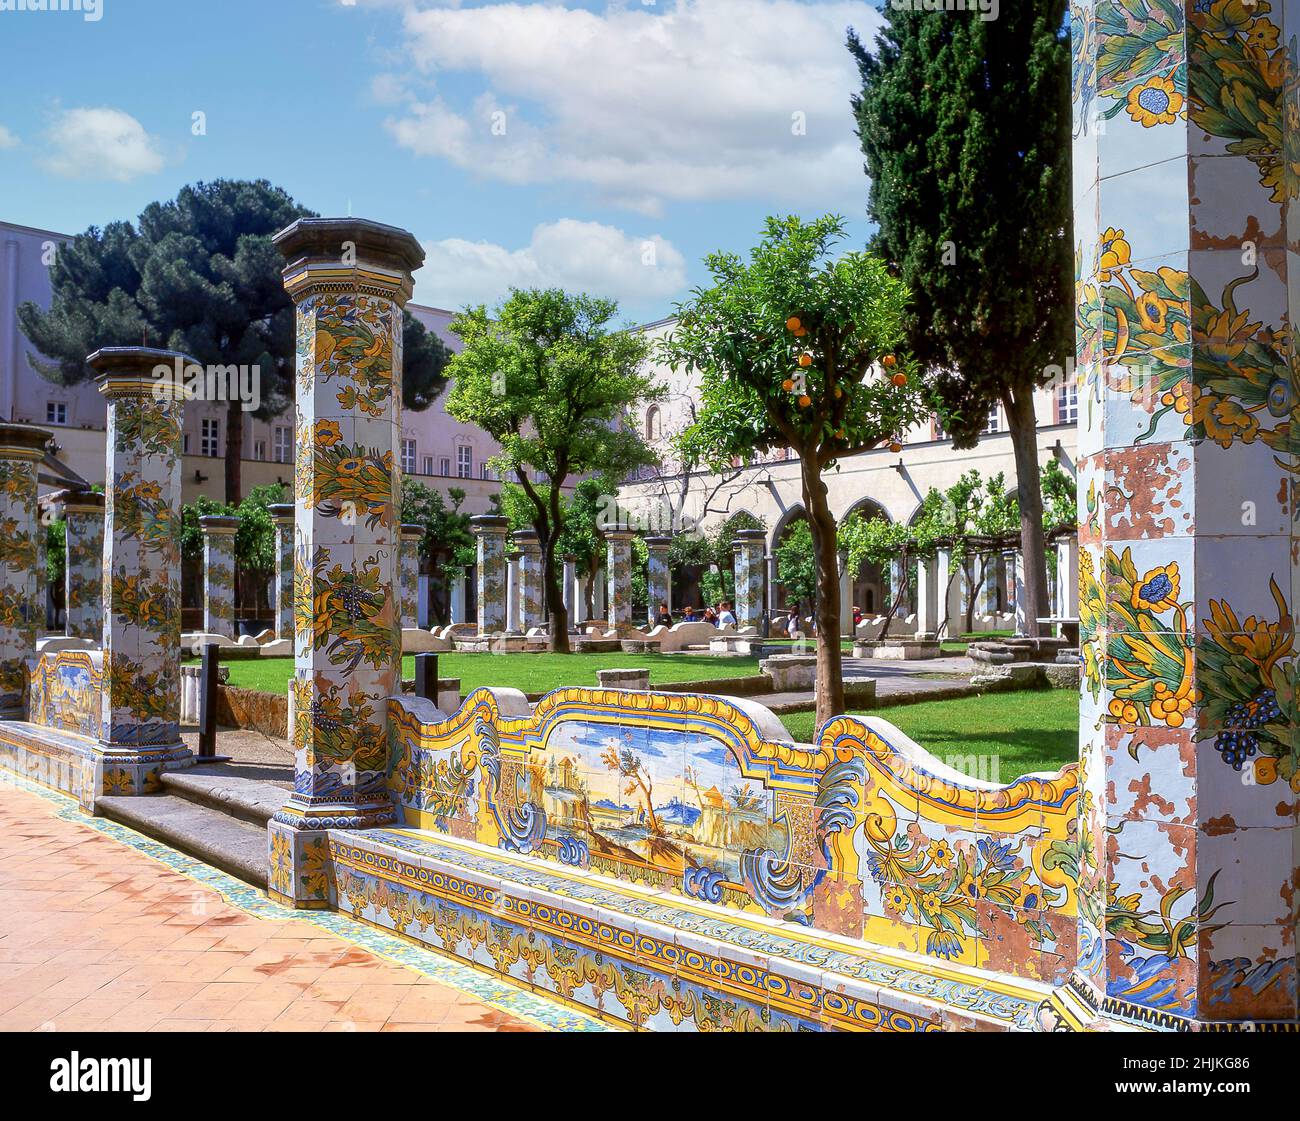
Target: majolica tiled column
349,279
412,535
750,545
658,587
1188,409
140,702
22,603
530,579
490,531
219,573
83,580
285,516
456,594
618,549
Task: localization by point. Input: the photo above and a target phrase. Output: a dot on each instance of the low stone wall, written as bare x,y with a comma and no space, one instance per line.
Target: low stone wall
267,713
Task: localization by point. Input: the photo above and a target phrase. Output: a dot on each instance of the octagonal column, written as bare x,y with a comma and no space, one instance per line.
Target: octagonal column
285,516
140,700
618,550
1188,408
569,584
658,586
22,602
83,580
219,573
412,535
530,579
750,546
490,531
349,280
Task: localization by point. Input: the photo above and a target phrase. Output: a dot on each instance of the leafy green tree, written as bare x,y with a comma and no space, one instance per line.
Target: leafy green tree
789,346
550,380
198,274
965,124
796,566
581,537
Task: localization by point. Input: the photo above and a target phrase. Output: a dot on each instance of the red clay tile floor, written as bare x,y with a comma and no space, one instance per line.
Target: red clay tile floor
102,929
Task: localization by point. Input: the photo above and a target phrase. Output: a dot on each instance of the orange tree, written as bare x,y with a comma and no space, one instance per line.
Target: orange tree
794,349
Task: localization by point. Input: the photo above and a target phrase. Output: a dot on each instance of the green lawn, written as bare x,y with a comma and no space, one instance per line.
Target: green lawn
959,644
533,673
1023,731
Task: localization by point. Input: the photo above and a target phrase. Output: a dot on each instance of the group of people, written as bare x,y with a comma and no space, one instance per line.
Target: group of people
721,616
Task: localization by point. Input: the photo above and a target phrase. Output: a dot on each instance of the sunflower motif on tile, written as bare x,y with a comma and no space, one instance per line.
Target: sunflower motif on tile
1243,387
1149,661
354,346
351,482
1141,60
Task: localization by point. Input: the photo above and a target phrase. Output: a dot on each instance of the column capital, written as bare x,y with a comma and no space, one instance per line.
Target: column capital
489,525
351,255
526,540
139,371
412,531
23,441
655,544
750,537
619,534
216,525
283,513
76,501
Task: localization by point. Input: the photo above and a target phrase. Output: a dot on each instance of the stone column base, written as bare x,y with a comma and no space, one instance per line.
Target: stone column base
127,771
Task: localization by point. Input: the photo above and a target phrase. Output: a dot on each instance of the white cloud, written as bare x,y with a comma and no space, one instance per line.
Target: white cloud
697,101
100,143
578,256
7,139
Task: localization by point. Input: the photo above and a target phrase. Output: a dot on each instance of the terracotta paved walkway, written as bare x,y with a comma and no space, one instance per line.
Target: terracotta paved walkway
97,936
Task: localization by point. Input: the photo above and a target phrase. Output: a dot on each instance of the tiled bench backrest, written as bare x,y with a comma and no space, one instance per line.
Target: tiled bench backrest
65,688
863,834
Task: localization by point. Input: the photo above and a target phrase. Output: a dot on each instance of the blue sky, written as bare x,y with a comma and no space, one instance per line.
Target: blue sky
605,147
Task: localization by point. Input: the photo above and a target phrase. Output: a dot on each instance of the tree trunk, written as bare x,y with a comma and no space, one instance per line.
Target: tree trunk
558,635
975,571
1033,541
830,674
234,452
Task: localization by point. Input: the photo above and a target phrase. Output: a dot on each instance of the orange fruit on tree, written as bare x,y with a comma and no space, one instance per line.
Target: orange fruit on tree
899,379
895,447
889,361
805,401
793,323
805,360
788,384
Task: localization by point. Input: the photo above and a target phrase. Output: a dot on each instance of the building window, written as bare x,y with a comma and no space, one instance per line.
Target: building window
428,465
995,420
1067,404
408,457
56,412
464,461
259,450
483,471
444,465
653,423
936,427
185,443
209,436
282,443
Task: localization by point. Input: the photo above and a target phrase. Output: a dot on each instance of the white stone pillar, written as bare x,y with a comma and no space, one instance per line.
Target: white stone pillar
285,516
928,594
1067,576
846,599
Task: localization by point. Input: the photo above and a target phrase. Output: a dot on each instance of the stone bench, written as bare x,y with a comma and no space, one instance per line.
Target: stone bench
790,673
674,861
